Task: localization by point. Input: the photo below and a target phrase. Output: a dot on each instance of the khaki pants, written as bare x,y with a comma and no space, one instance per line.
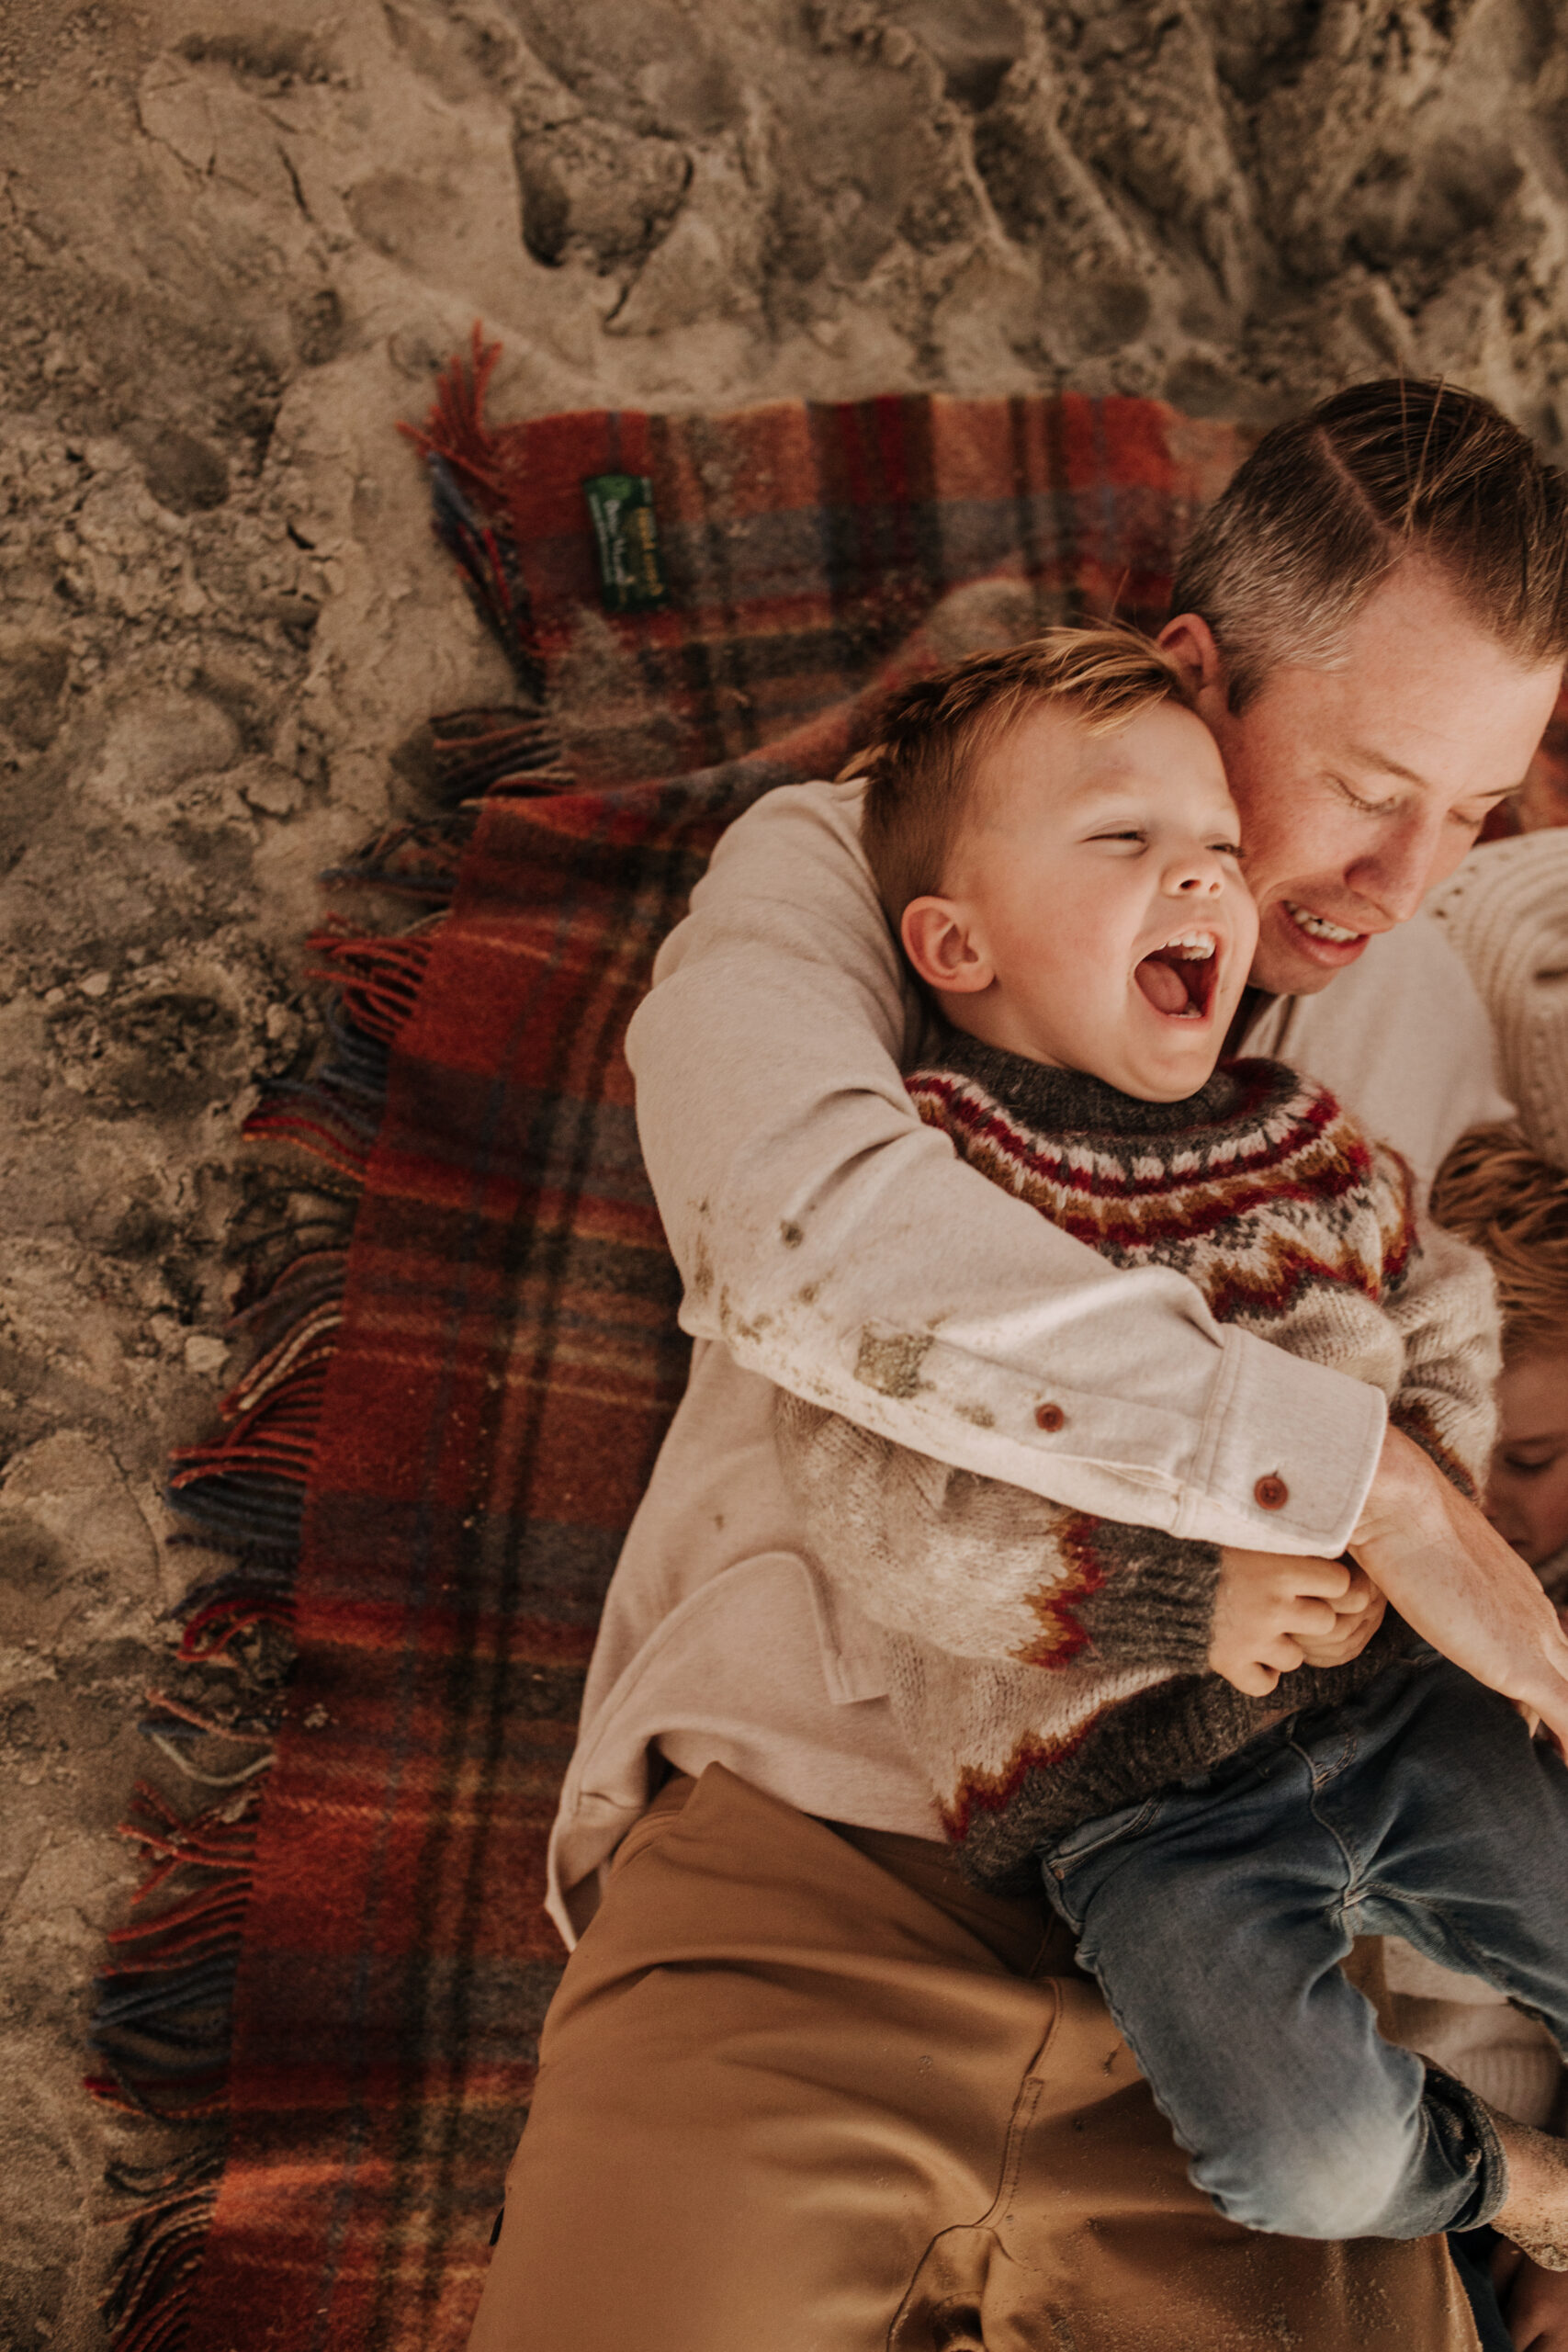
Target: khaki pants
805,2091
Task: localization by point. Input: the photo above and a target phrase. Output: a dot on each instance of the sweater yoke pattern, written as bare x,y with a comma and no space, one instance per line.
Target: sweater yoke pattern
1275,1191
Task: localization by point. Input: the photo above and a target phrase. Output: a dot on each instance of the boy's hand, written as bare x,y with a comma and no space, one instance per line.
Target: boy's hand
1451,1577
1355,1619
1535,2301
1269,1609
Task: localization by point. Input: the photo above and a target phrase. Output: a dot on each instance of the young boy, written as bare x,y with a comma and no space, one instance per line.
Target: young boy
1056,848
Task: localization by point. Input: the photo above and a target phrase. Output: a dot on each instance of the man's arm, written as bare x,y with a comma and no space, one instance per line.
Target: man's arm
843,1250
1453,1578
990,1572
987,1571
1423,1540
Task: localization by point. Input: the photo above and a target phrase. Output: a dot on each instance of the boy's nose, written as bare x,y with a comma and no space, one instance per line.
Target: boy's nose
1201,875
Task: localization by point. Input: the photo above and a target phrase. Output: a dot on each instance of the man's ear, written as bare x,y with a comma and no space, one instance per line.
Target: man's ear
1190,641
942,944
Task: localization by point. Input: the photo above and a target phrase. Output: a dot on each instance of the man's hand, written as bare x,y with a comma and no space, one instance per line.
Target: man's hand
1272,1614
1535,2301
1452,1578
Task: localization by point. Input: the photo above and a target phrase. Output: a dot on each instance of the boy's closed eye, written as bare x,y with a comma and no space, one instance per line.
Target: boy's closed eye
1525,1461
1135,834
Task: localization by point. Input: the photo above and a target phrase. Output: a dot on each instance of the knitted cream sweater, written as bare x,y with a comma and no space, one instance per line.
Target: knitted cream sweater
1046,1667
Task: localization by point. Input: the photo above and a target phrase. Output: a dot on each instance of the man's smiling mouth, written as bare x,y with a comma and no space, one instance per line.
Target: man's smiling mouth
1319,926
1178,978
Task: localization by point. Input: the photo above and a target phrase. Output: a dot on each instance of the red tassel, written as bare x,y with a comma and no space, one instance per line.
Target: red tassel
455,428
211,1632
222,1840
377,980
272,1412
323,1145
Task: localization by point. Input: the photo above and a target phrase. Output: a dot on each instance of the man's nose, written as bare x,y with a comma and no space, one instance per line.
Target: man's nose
1409,860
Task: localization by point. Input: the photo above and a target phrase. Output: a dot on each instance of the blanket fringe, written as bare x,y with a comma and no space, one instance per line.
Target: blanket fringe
164,2004
147,2306
507,751
161,2018
377,981
416,861
470,510
163,2009
322,1128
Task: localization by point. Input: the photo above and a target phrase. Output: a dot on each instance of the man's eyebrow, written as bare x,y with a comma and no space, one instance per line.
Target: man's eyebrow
1381,763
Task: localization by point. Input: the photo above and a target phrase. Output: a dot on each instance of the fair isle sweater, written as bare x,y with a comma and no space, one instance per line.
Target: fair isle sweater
1046,1667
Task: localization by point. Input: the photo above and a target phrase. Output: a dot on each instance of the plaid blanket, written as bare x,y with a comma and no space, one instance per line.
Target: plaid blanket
428,1469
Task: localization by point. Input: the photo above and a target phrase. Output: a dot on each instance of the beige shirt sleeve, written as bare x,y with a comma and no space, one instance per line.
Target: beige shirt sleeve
841,1249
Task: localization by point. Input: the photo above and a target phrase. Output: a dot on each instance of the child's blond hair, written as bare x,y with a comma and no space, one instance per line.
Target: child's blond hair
921,767
1494,1191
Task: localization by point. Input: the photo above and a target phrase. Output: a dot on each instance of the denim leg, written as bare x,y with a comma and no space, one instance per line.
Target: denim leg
1215,1920
1454,1824
1471,2255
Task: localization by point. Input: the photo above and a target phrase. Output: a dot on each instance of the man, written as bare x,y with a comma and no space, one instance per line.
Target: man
802,2085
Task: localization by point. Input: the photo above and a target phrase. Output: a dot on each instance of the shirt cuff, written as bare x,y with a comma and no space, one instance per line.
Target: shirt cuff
1287,1453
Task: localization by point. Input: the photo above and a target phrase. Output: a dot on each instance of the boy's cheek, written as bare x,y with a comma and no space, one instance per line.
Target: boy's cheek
1530,1515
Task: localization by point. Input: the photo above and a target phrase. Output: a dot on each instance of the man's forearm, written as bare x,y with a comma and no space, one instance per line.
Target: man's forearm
985,1570
1451,1577
842,1251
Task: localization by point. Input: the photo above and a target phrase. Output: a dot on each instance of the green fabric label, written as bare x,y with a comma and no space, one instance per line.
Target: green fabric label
631,576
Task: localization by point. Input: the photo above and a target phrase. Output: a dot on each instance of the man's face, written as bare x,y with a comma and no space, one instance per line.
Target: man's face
1360,789
1095,917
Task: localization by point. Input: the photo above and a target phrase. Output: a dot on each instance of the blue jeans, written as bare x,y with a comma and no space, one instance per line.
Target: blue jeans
1216,1914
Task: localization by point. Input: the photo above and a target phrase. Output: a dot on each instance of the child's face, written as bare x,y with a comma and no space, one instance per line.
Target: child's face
1527,1492
1096,917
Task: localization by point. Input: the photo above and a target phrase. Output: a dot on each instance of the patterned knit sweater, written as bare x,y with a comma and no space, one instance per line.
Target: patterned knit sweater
1047,1667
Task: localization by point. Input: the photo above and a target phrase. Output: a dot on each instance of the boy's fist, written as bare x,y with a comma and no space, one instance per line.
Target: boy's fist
1272,1614
1357,1618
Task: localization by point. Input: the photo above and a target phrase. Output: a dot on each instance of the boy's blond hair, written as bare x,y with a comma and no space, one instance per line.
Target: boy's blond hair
1494,1191
920,769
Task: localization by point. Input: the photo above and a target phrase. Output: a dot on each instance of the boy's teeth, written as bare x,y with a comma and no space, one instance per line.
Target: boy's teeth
1319,925
1192,944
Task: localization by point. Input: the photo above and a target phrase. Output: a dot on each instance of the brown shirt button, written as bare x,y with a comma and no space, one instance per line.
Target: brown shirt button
1271,1493
1049,1417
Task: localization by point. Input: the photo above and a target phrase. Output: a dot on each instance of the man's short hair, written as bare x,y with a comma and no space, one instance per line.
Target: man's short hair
920,770
1496,1191
1328,503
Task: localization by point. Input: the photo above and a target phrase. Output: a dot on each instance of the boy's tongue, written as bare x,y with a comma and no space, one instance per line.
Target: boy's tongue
1163,987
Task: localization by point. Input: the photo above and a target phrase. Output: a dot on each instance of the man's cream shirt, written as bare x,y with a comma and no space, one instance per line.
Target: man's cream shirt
830,1243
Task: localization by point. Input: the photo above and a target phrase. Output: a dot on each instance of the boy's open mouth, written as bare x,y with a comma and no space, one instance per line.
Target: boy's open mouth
1178,978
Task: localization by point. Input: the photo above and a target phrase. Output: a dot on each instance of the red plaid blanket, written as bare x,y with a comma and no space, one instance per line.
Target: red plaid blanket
429,1469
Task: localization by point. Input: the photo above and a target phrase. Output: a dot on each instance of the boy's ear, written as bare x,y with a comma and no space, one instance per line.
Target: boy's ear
1190,641
941,944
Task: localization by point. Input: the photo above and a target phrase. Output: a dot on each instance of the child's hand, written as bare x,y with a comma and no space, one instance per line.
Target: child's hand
1269,1609
1355,1619
1535,2301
